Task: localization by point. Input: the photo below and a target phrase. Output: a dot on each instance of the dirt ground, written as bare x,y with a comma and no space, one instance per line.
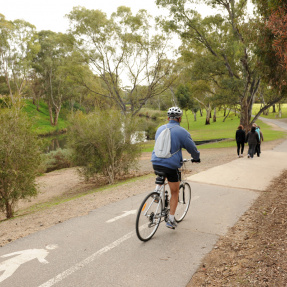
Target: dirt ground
253,252
246,256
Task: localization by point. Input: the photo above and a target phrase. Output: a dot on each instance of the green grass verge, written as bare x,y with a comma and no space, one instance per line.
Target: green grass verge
271,115
41,119
217,130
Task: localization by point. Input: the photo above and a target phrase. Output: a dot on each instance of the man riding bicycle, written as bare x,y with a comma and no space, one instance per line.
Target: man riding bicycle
180,138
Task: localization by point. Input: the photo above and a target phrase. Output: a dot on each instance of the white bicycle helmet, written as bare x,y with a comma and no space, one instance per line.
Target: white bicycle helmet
174,112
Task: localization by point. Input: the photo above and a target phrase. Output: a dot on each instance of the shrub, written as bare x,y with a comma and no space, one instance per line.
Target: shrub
54,160
151,131
102,143
19,160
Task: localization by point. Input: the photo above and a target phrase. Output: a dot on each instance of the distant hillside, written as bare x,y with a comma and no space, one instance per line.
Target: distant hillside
41,119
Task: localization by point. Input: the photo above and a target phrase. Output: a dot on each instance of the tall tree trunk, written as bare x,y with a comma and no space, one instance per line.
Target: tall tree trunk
56,116
227,115
280,111
187,119
208,114
50,107
9,210
173,96
9,87
244,116
214,115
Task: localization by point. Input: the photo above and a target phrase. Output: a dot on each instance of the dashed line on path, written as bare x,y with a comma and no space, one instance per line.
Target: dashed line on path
126,213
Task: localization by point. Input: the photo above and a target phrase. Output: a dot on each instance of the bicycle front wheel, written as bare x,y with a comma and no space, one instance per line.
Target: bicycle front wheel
149,216
183,201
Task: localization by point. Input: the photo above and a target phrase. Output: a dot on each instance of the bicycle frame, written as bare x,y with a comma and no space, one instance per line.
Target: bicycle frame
161,190
155,207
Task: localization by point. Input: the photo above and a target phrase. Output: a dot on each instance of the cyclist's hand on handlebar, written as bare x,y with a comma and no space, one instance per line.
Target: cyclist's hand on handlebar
195,160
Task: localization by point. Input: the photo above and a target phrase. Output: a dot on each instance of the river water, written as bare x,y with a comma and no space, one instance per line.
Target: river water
52,143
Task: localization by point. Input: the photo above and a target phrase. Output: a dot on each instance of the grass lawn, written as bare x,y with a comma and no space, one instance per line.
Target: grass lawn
271,115
41,118
217,130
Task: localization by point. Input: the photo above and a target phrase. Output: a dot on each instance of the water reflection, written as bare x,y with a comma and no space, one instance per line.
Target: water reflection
53,143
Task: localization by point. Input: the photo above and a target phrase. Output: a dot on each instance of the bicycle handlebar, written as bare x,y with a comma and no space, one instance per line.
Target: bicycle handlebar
191,159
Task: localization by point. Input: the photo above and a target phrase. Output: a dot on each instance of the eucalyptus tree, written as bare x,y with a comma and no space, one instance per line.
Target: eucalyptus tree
186,100
211,85
225,47
18,45
124,53
56,65
270,38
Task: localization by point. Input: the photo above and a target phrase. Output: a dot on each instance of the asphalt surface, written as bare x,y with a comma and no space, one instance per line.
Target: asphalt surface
102,249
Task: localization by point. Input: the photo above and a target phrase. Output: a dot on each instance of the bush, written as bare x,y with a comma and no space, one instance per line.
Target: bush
102,143
151,131
19,160
54,160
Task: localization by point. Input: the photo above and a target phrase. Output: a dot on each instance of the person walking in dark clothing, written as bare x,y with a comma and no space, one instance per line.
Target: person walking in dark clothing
258,146
240,140
252,139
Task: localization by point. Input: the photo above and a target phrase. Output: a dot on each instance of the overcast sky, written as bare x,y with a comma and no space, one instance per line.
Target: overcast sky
49,14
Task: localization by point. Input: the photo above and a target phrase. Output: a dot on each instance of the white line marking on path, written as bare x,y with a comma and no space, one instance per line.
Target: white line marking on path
94,256
126,213
86,261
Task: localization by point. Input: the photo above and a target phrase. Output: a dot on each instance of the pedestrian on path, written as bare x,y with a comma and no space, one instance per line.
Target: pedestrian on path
252,139
258,146
240,140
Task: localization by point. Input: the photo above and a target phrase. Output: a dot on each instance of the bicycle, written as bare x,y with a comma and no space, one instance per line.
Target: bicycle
155,207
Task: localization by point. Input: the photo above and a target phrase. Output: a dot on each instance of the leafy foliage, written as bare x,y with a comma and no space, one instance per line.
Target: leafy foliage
123,45
277,23
102,143
19,160
270,29
219,53
54,160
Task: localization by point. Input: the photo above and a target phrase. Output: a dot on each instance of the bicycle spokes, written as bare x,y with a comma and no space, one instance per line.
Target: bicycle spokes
148,217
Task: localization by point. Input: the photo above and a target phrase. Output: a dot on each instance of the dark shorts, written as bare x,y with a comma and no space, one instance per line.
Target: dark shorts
172,175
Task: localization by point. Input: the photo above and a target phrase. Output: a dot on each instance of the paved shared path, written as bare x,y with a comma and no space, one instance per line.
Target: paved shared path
101,249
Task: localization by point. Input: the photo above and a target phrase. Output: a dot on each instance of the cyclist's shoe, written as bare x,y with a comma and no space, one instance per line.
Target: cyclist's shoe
171,224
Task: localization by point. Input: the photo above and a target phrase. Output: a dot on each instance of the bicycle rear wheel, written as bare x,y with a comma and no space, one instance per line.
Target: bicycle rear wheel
149,216
183,201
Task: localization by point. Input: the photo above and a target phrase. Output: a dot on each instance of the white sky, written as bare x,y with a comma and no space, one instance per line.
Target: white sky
49,14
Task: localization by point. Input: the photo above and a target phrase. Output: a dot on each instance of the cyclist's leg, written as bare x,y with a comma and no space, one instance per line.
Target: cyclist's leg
174,191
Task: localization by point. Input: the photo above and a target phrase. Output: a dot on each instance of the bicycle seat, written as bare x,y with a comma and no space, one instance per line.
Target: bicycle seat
160,177
160,173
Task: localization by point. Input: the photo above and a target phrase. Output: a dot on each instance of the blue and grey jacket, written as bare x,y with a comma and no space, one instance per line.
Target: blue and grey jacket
180,138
